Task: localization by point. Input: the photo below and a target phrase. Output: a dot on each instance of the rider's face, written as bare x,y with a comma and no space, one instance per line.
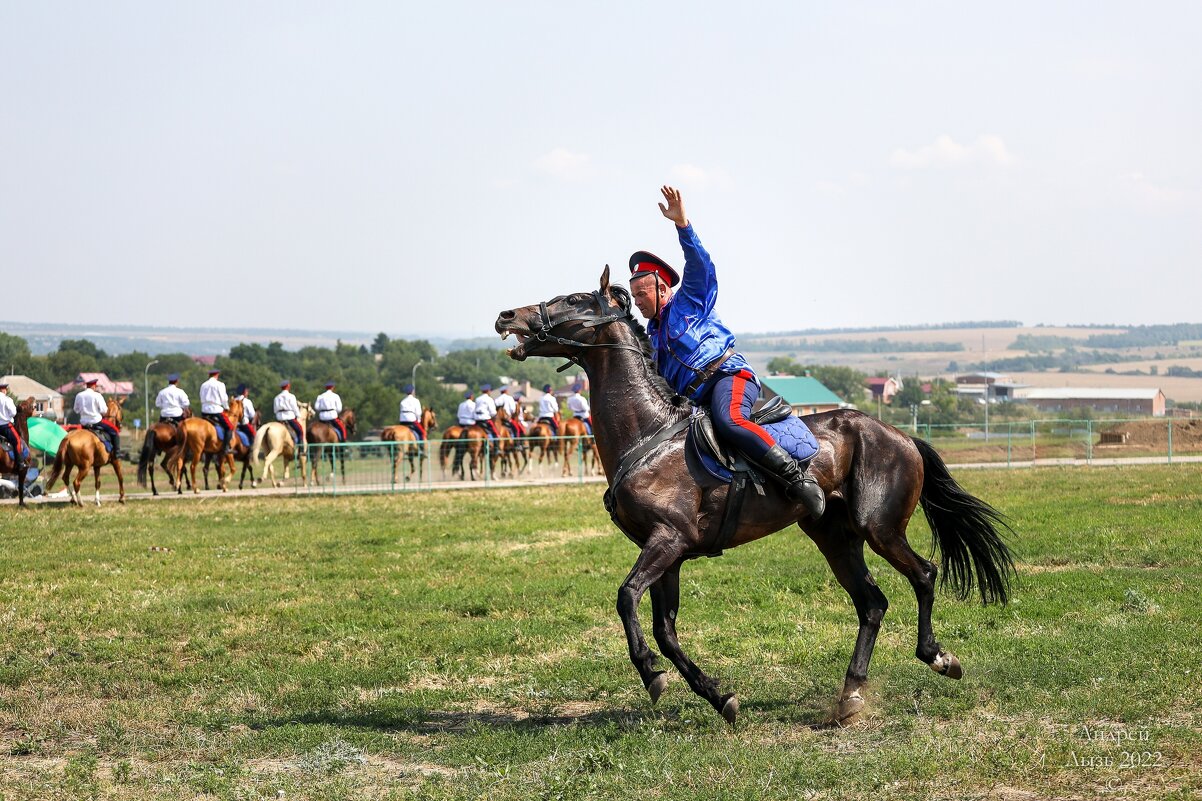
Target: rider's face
643,292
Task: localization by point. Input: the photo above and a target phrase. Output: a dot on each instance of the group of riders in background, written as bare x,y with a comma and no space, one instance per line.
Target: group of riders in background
490,432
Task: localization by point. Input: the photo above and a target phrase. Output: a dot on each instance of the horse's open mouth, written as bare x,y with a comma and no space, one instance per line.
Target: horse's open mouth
518,352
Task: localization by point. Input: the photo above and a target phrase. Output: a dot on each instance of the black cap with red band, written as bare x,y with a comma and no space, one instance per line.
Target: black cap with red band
644,262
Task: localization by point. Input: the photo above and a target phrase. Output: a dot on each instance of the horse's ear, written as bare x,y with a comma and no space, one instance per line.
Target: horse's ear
605,279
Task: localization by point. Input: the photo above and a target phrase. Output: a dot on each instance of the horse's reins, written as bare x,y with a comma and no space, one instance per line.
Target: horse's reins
590,321
641,450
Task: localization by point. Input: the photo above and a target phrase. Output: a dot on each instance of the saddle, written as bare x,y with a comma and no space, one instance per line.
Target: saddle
219,426
721,461
7,447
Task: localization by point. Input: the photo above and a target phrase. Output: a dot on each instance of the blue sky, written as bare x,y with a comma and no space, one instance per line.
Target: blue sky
415,168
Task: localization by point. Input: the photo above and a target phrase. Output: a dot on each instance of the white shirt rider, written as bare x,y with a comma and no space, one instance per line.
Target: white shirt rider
411,409
171,401
579,406
91,407
486,407
328,405
213,398
248,410
506,402
548,405
467,412
8,409
284,406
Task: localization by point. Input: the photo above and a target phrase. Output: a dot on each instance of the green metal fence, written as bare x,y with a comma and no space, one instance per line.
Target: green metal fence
412,467
1119,440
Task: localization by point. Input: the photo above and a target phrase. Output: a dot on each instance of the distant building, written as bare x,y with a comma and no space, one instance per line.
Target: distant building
104,385
993,387
46,401
807,395
205,361
1105,400
883,388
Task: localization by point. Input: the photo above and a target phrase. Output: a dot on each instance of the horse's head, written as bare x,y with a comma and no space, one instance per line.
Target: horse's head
305,413
25,408
114,412
235,411
565,325
348,419
429,419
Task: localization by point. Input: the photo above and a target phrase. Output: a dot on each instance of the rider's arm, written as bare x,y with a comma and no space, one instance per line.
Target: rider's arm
699,283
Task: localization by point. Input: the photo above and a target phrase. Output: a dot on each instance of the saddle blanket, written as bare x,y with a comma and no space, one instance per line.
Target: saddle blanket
243,437
791,434
8,449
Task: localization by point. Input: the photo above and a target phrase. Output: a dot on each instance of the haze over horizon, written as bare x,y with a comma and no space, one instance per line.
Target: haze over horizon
393,167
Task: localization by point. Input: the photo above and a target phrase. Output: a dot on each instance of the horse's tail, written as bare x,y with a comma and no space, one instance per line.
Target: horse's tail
967,532
255,446
60,459
147,457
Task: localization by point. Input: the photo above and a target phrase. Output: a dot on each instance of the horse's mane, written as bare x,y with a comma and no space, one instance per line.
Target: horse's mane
663,390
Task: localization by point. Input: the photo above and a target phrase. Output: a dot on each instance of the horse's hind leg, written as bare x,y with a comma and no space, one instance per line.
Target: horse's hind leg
921,574
665,601
96,471
844,551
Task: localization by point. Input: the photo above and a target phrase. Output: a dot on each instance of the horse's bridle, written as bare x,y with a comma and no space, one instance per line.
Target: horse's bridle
543,334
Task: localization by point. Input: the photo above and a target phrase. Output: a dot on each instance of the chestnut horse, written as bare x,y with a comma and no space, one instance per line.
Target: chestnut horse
83,450
408,445
198,438
540,435
874,477
580,445
9,466
322,433
161,438
451,444
277,438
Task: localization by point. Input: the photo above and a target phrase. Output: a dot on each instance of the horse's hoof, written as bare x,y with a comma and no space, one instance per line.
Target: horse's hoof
657,685
849,707
947,665
730,708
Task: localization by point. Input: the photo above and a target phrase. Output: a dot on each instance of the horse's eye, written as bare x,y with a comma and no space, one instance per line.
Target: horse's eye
577,298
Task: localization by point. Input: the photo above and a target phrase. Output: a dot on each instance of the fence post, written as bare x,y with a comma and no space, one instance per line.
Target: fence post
1009,434
1089,441
487,460
392,466
580,460
1034,453
1170,440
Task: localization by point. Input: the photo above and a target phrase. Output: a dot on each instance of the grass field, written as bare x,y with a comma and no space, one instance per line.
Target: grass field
465,645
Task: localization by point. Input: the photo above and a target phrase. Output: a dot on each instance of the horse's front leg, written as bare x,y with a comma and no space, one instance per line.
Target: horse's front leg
120,480
657,557
96,472
665,602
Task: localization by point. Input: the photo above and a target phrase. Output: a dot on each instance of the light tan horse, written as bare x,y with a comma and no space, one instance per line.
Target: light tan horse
83,450
199,438
582,444
277,438
450,445
408,446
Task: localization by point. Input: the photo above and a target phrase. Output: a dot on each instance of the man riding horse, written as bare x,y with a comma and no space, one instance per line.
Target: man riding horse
172,401
696,353
287,411
411,413
214,407
92,408
8,429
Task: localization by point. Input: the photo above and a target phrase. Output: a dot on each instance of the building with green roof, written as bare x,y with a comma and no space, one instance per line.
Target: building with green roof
806,394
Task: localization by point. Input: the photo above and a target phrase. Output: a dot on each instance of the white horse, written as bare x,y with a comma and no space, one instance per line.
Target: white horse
277,437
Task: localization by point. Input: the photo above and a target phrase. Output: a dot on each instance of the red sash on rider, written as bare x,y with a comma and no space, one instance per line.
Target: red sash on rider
341,427
17,437
517,424
421,431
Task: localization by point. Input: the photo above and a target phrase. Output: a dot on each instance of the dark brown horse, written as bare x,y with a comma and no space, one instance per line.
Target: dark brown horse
9,466
322,433
241,453
408,446
874,477
83,450
161,438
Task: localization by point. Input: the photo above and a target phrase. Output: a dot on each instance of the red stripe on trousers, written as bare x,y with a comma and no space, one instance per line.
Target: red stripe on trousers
736,412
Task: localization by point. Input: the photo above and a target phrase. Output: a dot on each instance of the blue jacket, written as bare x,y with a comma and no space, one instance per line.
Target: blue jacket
688,335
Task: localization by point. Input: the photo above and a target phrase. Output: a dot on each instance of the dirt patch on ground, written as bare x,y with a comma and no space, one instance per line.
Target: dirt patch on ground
1154,434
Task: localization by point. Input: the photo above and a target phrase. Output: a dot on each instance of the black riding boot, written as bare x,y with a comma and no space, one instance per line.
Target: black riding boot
800,486
229,437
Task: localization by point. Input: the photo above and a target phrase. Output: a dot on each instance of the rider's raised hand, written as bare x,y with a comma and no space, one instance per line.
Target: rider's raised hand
674,211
